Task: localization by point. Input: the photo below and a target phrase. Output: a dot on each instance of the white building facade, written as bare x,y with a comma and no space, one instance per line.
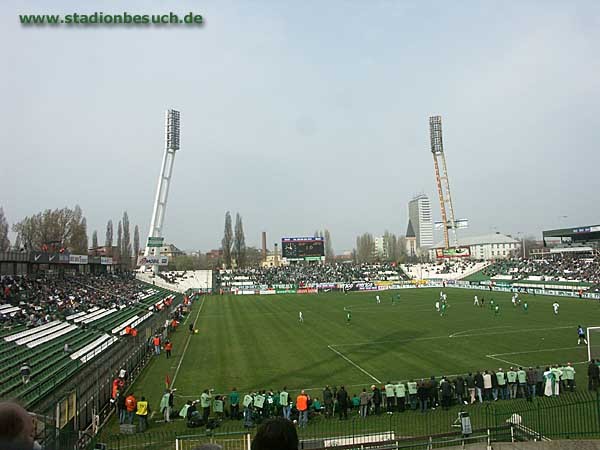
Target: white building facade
487,247
419,214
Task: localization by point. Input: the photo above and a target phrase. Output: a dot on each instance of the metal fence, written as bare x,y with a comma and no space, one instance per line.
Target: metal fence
572,416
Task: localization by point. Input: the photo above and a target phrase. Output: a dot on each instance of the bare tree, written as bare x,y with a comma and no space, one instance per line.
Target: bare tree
365,247
126,242
227,241
108,242
95,239
119,241
4,242
239,242
329,255
136,244
53,228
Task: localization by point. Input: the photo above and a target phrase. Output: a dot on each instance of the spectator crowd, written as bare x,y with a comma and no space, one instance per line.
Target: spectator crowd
308,274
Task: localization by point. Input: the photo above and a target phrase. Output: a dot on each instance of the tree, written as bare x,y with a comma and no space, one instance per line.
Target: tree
126,242
119,241
4,242
95,239
53,229
227,240
253,257
390,241
329,255
78,243
239,242
136,244
108,242
365,247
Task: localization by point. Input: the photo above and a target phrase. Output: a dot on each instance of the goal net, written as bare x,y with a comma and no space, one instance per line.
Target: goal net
593,339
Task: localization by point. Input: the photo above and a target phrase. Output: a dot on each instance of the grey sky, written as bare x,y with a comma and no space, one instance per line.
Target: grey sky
306,115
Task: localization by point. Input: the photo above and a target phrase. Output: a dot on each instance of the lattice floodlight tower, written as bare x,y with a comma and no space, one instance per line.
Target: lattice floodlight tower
443,184
172,122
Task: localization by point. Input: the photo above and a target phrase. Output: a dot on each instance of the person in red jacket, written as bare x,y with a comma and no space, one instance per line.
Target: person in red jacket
156,343
131,407
302,407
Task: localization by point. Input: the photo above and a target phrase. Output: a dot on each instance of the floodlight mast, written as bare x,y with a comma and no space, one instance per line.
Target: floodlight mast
442,180
172,129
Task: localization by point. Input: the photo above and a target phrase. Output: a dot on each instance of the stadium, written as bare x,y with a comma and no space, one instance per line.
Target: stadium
173,329
111,348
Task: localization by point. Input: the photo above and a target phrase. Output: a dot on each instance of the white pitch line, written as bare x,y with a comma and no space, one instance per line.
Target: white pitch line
353,363
459,333
534,351
503,360
186,345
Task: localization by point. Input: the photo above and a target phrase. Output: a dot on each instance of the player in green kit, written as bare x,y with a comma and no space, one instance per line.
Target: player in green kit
443,309
497,310
492,304
348,317
525,306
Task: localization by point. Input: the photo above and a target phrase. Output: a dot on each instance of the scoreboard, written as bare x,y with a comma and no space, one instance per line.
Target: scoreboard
303,248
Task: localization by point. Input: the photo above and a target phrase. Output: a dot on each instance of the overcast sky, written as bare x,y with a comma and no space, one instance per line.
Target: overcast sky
304,115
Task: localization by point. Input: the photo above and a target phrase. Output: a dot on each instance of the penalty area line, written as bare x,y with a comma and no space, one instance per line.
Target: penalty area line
187,344
353,363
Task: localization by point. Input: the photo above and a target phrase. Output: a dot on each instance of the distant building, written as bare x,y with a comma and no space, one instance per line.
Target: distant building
419,215
486,247
411,241
170,250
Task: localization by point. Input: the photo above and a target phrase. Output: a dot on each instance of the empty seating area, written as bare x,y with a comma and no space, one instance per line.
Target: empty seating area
443,270
55,331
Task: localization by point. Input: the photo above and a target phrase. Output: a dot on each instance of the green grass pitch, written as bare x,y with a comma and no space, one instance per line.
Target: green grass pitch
257,342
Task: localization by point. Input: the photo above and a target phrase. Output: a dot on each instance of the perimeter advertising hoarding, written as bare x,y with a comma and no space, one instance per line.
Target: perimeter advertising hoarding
153,261
453,252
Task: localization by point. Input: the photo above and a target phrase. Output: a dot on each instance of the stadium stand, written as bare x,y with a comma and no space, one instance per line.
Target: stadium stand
566,267
306,274
180,281
57,325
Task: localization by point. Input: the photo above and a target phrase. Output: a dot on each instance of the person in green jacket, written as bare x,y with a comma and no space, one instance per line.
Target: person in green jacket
569,377
390,397
165,405
412,393
205,400
234,404
511,377
522,382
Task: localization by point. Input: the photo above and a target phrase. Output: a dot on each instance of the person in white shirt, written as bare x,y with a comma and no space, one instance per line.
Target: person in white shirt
555,306
475,301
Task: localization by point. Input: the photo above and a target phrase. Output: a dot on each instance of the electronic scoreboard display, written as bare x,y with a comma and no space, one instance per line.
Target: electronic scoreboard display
303,248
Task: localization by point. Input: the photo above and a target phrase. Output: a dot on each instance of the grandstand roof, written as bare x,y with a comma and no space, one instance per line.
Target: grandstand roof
410,232
494,238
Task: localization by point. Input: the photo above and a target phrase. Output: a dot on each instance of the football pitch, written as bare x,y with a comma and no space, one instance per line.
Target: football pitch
258,342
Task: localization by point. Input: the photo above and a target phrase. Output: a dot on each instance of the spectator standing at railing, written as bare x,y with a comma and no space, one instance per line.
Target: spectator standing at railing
478,381
131,406
511,377
342,402
205,400
142,414
328,401
285,402
390,397
400,392
234,404
364,403
376,398
156,343
531,383
302,407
